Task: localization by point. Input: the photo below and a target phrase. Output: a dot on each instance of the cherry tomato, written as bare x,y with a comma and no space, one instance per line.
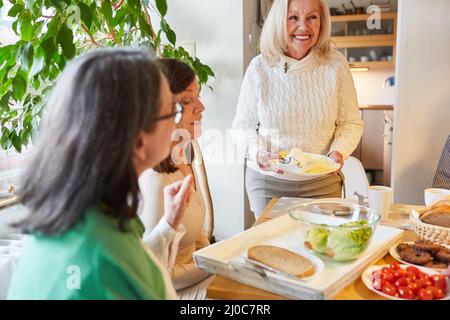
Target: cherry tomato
414,270
402,282
440,281
437,292
425,294
411,275
400,273
406,293
389,277
394,266
421,283
389,289
415,287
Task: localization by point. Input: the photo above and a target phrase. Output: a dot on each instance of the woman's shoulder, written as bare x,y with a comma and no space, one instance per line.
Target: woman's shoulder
258,64
337,60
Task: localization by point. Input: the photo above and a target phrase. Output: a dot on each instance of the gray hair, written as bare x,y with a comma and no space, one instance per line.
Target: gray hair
83,155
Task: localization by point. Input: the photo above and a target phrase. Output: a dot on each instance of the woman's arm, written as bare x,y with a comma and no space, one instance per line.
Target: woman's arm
349,126
187,274
164,237
246,120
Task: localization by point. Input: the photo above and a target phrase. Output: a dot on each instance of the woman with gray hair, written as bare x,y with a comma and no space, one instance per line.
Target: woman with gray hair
110,118
299,93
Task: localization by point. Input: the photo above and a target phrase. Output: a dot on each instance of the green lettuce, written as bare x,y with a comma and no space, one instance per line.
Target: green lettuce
317,238
346,244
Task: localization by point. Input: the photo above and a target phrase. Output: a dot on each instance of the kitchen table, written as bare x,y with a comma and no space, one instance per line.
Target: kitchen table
225,289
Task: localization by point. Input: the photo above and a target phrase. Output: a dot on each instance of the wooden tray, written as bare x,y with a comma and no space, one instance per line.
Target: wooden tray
285,232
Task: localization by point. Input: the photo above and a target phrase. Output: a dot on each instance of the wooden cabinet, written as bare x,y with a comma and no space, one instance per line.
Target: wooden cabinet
366,48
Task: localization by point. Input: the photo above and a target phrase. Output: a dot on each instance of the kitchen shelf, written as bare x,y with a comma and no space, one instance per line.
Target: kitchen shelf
373,64
379,40
383,42
362,17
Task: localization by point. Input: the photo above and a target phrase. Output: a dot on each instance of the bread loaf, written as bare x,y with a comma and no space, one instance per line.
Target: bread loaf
438,214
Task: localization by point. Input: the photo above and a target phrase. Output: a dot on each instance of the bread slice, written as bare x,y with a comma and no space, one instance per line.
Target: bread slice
282,260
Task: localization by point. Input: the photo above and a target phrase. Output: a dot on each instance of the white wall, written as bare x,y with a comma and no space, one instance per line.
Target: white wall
216,27
422,111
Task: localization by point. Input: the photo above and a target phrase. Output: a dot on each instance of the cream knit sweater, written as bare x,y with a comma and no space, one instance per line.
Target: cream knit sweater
310,104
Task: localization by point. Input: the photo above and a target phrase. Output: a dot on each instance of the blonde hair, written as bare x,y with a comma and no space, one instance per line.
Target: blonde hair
274,34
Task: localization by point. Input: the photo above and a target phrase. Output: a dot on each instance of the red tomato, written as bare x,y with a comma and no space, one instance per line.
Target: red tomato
414,270
389,289
394,266
440,281
421,283
389,277
415,287
406,293
400,273
411,275
402,282
425,294
437,292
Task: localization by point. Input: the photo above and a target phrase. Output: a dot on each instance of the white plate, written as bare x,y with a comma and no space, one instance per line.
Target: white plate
394,254
295,173
366,278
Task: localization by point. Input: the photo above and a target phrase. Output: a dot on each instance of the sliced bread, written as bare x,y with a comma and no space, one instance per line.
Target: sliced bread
282,260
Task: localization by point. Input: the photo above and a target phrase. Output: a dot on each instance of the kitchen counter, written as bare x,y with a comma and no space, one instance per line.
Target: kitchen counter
377,107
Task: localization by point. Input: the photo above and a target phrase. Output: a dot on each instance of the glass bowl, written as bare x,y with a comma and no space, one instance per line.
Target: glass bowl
336,231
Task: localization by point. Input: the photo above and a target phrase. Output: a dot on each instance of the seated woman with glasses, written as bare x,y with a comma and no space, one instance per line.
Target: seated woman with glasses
110,119
185,87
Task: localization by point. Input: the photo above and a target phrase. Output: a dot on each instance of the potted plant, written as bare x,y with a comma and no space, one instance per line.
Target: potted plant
52,32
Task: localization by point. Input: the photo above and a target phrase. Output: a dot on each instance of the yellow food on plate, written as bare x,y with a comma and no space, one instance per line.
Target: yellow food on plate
283,154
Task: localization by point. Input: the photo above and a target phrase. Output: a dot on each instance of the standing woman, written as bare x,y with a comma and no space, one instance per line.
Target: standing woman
302,90
110,118
186,88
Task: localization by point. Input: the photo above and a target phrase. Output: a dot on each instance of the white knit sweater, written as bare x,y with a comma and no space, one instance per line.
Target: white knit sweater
312,106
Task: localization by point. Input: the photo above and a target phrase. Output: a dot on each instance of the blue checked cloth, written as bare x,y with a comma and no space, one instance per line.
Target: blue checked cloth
442,177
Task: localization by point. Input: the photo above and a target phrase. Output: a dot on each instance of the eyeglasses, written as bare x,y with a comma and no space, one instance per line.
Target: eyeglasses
177,114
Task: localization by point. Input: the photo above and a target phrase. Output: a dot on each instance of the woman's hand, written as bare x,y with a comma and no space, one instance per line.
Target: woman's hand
176,196
338,158
263,159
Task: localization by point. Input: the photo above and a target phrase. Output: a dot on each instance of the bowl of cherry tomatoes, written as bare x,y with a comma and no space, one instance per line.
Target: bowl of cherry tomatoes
402,282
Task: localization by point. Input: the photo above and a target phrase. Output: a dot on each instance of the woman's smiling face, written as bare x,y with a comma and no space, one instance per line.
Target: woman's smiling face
193,109
303,27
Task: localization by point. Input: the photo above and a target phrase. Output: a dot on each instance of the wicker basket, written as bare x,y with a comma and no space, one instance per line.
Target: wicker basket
436,234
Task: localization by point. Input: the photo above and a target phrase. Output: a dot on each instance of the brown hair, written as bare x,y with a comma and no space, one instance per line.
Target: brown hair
180,75
83,156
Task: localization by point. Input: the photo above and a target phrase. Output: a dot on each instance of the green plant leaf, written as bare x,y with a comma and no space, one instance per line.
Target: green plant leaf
85,14
52,29
36,7
164,26
38,63
16,142
65,40
19,86
26,28
16,9
145,27
107,12
26,56
171,36
48,49
161,5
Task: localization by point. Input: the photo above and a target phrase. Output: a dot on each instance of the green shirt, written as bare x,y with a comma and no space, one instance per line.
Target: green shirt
92,260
